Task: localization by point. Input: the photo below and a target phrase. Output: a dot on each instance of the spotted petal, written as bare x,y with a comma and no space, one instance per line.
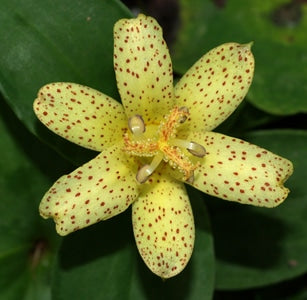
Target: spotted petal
215,85
143,68
80,114
239,171
163,226
98,190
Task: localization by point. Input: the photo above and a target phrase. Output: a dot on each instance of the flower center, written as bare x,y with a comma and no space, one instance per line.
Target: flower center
164,146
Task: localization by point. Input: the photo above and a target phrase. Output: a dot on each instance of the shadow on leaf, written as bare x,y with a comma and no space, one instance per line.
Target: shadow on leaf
244,236
75,154
154,287
95,242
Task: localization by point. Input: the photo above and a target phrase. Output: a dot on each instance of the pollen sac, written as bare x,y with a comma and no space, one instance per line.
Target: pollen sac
136,124
196,149
143,174
190,180
186,112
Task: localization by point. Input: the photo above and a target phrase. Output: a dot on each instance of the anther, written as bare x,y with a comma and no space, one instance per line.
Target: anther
196,149
186,112
144,173
190,179
136,125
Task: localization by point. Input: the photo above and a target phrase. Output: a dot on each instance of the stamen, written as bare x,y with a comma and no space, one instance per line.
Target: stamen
144,173
186,112
136,125
163,146
190,179
194,148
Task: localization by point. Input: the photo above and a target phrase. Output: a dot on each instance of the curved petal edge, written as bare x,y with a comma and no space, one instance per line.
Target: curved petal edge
216,84
96,191
163,226
81,114
143,68
238,171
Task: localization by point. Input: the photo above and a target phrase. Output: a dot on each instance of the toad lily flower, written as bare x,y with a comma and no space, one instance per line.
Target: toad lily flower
157,140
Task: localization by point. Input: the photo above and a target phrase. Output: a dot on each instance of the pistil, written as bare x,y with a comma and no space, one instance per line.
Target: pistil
164,147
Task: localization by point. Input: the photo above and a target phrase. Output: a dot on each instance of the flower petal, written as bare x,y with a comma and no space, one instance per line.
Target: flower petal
163,226
80,114
239,171
98,190
215,85
143,68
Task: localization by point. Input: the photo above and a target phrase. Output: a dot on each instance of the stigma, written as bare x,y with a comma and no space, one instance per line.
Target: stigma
163,145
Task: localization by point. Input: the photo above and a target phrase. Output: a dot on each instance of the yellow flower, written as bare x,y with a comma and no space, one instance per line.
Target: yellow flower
159,138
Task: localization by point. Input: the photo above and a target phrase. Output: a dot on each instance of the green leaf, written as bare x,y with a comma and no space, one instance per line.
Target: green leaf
99,257
294,289
104,258
26,240
245,118
260,246
56,40
278,29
